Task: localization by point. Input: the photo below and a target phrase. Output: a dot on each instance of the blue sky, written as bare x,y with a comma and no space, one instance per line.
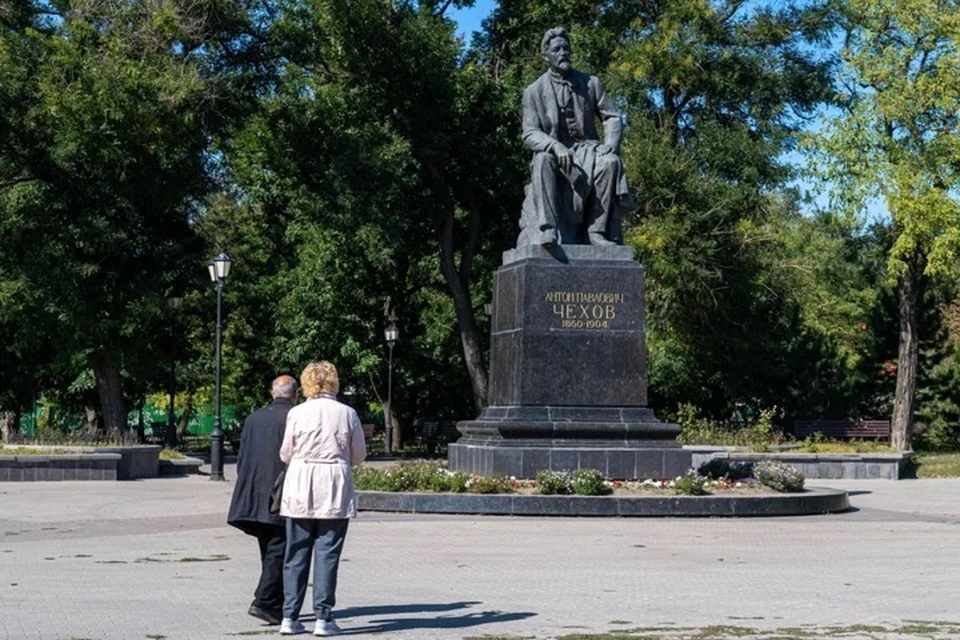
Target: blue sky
469,20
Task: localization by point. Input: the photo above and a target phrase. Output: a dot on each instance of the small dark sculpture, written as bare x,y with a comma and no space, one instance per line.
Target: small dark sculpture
577,184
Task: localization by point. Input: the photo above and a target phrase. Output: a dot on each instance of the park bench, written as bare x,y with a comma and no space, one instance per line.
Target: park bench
433,434
158,431
843,429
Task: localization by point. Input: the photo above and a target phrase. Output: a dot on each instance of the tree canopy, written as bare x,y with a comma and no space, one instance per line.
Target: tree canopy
360,162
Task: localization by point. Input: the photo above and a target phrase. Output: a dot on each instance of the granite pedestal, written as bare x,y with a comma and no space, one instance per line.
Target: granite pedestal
568,385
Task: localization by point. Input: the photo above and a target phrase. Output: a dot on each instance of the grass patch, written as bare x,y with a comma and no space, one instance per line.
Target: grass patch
726,631
219,557
937,465
614,635
837,446
171,454
917,629
30,451
796,632
858,628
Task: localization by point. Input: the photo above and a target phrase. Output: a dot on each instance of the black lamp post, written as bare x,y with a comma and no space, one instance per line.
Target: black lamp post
391,333
348,392
170,437
219,270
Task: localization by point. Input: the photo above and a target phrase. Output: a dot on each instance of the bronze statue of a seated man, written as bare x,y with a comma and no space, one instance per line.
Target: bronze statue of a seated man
577,183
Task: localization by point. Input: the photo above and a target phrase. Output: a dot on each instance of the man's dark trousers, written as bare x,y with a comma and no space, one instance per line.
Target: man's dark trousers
273,542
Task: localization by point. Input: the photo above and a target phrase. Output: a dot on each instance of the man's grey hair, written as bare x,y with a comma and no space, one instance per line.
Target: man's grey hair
556,32
281,389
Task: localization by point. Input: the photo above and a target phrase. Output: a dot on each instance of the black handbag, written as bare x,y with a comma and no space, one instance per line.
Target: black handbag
276,493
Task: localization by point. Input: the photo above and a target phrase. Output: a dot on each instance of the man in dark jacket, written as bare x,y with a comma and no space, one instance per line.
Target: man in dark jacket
258,466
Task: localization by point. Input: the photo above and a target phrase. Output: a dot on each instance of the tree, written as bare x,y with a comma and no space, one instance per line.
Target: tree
374,169
896,140
106,111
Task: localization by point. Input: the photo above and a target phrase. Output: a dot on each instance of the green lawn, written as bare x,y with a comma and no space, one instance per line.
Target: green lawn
938,465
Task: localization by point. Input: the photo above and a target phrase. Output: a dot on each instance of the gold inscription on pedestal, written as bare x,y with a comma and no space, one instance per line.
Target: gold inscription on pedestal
583,309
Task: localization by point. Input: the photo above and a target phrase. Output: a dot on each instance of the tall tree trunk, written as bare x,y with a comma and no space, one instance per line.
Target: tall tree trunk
458,280
396,437
9,425
909,295
459,286
90,420
110,388
140,425
185,417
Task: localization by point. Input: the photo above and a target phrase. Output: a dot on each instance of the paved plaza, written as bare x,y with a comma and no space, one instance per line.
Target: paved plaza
154,559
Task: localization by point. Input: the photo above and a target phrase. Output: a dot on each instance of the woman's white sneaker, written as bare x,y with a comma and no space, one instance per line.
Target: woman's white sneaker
290,627
326,628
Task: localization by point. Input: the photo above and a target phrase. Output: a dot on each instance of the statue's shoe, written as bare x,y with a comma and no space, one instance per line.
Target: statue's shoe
600,241
549,238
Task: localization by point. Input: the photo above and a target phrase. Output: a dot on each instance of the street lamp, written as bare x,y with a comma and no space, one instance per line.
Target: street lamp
348,392
391,333
219,269
170,438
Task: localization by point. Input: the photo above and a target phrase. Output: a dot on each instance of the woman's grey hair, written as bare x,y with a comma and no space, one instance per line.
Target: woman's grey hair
285,387
556,32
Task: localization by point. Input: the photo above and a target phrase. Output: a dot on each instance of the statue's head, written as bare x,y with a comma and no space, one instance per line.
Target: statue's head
555,49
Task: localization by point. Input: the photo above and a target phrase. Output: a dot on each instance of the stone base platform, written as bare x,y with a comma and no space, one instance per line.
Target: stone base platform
810,501
623,443
523,460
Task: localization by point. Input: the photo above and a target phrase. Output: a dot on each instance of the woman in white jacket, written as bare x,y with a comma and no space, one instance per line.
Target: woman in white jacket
322,440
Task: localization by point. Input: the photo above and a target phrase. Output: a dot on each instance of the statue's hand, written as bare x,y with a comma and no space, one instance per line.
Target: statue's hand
604,149
564,158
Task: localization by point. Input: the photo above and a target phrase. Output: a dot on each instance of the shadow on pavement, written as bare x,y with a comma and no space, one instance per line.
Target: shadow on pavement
434,622
383,610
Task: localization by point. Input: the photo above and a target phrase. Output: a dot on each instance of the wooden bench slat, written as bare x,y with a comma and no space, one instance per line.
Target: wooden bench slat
843,428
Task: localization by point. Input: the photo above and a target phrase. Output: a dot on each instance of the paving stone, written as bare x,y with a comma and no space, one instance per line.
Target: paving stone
154,557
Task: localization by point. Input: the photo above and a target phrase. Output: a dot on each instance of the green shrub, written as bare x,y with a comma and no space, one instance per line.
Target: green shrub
552,483
429,477
690,484
171,454
778,476
458,482
369,479
718,468
588,482
758,433
816,442
489,484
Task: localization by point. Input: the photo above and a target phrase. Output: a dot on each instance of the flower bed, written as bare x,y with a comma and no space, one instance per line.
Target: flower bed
434,477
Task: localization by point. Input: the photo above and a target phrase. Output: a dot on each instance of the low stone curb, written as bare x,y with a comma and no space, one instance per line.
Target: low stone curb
56,467
811,501
856,466
180,467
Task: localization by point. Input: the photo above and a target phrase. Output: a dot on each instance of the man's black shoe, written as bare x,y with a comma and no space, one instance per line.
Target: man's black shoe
270,617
